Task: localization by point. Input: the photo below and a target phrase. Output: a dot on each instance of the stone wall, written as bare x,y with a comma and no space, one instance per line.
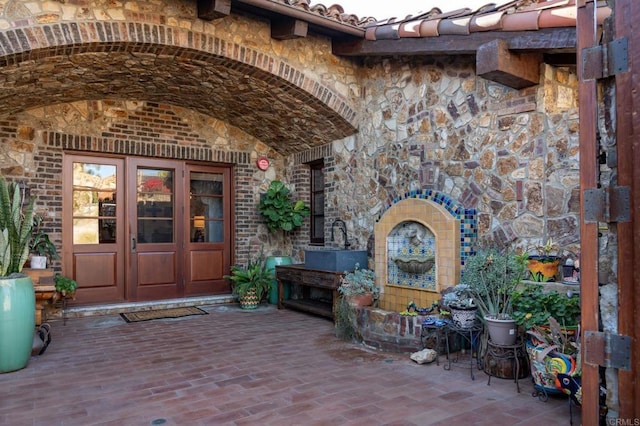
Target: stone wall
423,123
432,124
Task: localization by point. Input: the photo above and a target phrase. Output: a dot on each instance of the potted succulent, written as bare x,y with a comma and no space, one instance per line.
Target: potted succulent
252,283
543,266
281,213
492,276
358,289
17,311
459,301
41,247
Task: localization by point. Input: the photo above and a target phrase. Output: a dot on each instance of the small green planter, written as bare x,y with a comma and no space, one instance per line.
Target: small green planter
17,322
272,262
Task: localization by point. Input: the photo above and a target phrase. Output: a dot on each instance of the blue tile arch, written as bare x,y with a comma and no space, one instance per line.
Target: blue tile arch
468,217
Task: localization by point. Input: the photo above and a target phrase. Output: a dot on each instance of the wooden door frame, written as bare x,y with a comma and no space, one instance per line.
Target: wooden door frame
626,15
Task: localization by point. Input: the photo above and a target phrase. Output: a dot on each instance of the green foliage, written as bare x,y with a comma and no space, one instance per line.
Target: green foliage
41,245
359,281
532,306
255,276
492,276
15,229
345,320
65,285
279,210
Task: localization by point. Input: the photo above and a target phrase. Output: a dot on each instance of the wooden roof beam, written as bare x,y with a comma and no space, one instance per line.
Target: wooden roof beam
287,29
208,10
495,62
546,40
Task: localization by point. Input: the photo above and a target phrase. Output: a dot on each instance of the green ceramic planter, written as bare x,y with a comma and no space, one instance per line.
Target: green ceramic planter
271,263
17,322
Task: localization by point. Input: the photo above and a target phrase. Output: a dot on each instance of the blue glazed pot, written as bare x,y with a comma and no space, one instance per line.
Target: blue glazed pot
17,322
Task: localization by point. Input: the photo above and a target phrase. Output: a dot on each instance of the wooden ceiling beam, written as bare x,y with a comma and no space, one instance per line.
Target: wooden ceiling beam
208,10
287,29
495,62
549,40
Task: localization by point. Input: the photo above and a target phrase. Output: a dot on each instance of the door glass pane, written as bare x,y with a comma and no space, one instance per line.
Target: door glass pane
94,203
206,207
155,205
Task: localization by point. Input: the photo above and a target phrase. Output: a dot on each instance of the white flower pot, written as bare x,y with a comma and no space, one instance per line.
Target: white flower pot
38,262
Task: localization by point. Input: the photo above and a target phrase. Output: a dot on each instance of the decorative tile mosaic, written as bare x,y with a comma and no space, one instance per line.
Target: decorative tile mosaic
411,241
468,217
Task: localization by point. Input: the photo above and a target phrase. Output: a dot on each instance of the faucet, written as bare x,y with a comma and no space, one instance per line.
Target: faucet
343,227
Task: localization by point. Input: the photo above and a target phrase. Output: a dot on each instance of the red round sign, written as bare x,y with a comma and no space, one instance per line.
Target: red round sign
262,163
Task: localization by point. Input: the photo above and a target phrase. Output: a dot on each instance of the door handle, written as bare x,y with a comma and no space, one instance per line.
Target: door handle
133,244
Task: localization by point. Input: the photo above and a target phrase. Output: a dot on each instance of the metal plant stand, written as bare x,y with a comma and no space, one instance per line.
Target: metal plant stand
471,335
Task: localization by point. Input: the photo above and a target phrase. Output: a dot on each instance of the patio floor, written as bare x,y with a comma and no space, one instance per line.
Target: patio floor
235,367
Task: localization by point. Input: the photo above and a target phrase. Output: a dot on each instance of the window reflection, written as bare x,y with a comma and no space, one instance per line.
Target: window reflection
206,207
155,205
94,203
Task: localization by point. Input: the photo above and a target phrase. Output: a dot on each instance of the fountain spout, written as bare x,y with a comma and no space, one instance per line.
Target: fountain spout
343,227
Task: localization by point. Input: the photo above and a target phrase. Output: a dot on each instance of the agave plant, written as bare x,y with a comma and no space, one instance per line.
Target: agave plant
15,229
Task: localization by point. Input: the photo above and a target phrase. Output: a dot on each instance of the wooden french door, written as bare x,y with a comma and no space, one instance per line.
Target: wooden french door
145,229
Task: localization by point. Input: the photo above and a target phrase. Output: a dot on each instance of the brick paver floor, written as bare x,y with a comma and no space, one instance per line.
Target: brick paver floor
262,367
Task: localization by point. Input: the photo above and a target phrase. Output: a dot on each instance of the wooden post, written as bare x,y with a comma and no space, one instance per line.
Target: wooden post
627,14
589,170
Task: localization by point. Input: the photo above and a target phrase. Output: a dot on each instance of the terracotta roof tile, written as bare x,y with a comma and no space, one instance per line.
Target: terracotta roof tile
515,15
518,15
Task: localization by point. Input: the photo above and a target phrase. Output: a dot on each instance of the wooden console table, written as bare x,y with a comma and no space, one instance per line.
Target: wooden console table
307,278
44,289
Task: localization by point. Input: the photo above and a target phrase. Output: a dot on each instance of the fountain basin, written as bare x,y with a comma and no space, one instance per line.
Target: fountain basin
335,260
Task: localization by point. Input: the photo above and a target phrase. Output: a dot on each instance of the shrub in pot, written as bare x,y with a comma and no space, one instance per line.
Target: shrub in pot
492,276
17,312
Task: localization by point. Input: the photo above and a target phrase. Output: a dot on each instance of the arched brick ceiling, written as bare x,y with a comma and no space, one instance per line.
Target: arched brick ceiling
262,96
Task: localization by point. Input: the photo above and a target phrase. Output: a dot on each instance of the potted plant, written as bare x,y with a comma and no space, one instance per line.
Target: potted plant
543,267
41,247
17,310
281,213
533,305
358,287
252,283
459,301
492,276
65,286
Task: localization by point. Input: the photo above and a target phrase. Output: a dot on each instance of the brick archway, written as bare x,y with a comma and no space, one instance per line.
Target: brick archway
256,92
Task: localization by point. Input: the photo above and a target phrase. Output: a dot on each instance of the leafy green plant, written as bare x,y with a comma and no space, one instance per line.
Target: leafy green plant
492,276
15,229
64,285
279,211
41,245
532,306
359,281
255,276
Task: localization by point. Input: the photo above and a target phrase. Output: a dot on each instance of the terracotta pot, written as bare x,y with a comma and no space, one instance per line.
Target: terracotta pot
360,300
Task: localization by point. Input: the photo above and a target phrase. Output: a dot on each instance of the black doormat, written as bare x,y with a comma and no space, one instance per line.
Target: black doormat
162,313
